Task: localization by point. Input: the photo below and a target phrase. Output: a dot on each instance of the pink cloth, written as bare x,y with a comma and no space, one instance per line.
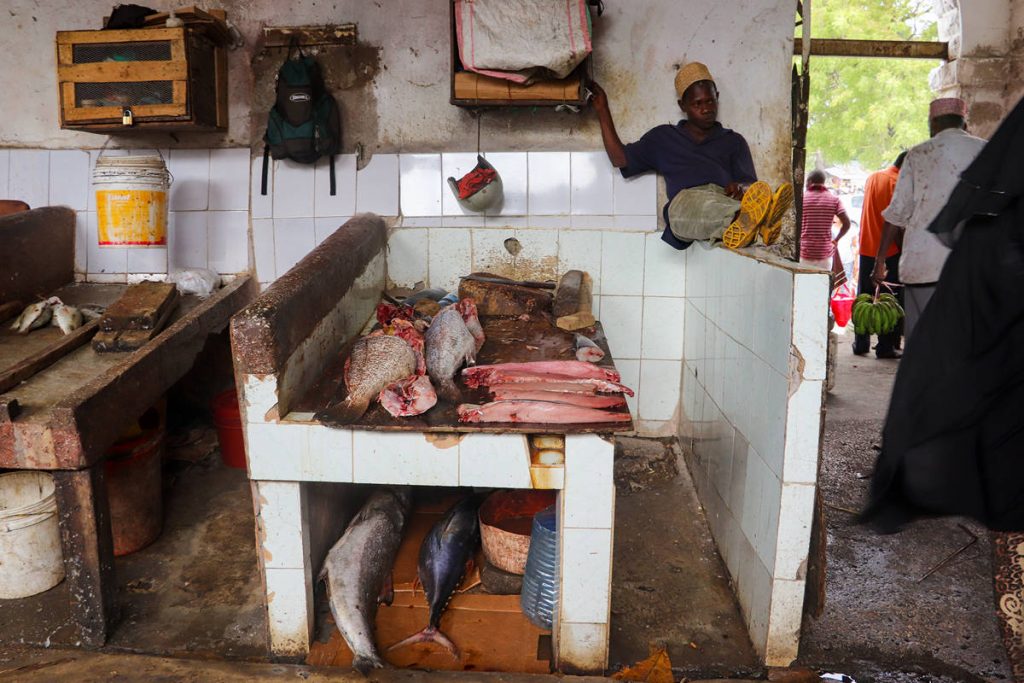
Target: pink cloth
947,105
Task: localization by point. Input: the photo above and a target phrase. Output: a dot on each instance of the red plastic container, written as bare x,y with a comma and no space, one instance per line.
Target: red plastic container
134,486
228,420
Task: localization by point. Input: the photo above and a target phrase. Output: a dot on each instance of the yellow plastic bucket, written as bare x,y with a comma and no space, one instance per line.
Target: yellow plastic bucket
131,201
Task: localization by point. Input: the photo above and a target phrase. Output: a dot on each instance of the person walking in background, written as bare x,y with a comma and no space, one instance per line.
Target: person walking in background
930,172
820,208
878,191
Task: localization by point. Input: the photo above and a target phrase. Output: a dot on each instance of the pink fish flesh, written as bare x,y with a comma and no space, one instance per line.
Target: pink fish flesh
567,368
508,392
514,377
538,412
413,395
550,387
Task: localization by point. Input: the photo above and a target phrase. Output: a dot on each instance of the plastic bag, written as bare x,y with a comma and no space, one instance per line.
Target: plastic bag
198,281
842,303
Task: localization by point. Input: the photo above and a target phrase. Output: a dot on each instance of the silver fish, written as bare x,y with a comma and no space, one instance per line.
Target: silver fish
587,349
449,345
67,318
35,315
357,570
374,363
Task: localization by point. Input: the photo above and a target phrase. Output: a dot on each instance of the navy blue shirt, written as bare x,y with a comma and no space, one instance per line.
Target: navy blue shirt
721,158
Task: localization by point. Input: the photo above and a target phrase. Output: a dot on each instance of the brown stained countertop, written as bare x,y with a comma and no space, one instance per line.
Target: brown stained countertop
508,340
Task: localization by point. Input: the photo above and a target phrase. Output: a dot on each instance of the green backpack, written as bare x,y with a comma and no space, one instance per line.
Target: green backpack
304,123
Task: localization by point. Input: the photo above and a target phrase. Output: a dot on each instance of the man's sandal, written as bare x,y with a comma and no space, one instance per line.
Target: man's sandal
781,201
753,211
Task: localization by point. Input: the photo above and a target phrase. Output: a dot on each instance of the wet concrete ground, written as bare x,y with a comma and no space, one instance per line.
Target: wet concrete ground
881,621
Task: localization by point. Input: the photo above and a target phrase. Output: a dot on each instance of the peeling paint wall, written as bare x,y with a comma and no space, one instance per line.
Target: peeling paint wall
638,45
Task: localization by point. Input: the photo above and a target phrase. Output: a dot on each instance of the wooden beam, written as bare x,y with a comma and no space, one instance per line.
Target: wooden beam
900,49
40,361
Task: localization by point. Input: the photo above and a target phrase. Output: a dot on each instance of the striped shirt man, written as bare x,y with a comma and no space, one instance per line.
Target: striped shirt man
820,207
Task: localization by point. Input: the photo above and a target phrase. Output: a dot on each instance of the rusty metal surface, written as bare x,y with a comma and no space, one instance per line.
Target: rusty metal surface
37,252
903,49
264,334
509,340
75,409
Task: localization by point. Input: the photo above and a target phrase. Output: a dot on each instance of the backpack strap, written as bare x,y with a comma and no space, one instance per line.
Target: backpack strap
266,166
333,182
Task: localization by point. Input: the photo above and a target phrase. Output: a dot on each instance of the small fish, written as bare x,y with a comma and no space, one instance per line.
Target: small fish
35,315
445,555
357,572
67,318
375,362
587,350
450,344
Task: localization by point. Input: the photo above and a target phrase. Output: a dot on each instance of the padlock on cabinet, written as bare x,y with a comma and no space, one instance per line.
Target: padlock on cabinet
126,116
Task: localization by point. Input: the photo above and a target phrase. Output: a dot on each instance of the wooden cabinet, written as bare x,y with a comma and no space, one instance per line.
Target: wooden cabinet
157,79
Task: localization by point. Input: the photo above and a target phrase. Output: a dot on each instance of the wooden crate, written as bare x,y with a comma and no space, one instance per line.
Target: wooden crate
170,79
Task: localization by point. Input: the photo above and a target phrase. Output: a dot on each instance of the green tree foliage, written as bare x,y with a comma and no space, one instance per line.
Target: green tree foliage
867,109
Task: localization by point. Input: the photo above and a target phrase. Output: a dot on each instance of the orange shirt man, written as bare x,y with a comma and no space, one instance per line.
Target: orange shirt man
878,190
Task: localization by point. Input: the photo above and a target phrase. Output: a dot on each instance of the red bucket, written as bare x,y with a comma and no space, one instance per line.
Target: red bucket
133,470
228,420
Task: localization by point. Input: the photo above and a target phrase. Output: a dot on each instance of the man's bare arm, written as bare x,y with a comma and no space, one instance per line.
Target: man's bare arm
890,232
609,136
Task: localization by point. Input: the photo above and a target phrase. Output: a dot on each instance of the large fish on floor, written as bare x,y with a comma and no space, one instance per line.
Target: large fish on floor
358,568
374,363
445,555
450,345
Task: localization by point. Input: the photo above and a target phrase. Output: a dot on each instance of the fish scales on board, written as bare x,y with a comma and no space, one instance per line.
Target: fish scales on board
374,363
445,557
357,571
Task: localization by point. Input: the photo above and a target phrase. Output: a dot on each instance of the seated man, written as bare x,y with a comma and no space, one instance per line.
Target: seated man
709,175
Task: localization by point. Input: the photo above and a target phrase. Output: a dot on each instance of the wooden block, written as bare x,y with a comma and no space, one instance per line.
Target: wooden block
488,88
583,317
14,376
567,295
129,340
141,307
465,85
504,299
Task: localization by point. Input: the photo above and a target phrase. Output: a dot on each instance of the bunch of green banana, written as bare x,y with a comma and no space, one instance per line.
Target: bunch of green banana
876,316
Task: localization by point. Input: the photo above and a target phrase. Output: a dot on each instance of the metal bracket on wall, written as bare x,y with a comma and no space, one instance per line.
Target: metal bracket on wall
310,36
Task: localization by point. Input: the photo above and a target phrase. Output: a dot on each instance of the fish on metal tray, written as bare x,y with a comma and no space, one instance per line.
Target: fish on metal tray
34,316
450,345
374,363
445,557
357,571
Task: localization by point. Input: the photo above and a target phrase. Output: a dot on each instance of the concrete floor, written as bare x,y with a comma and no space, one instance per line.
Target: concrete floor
881,622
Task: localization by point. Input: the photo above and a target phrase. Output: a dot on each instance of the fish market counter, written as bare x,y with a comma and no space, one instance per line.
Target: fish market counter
289,348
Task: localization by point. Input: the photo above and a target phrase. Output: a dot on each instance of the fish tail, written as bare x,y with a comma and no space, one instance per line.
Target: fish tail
346,412
431,634
365,663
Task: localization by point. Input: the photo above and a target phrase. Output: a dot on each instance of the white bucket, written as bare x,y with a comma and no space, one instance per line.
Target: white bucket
131,201
31,560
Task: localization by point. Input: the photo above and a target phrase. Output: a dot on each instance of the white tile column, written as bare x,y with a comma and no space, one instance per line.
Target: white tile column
283,550
585,520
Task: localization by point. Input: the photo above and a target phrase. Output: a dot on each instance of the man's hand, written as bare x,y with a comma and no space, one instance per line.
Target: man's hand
879,272
599,99
735,190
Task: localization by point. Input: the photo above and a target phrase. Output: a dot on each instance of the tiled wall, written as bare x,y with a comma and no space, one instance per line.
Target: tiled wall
208,222
754,349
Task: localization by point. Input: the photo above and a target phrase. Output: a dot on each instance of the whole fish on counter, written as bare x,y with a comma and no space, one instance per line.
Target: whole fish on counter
539,412
67,318
445,555
587,350
450,345
34,316
374,363
357,571
413,395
